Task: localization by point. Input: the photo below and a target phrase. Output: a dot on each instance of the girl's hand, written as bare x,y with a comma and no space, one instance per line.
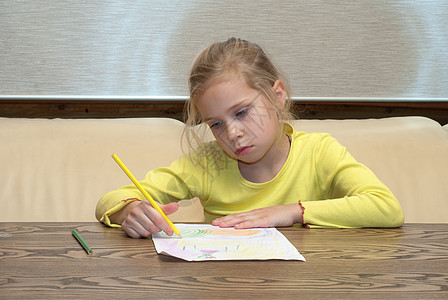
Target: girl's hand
142,219
274,216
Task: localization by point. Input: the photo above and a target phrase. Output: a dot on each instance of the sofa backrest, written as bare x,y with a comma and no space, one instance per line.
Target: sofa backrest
57,169
409,154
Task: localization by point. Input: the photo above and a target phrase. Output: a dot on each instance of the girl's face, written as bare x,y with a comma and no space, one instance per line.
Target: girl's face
243,121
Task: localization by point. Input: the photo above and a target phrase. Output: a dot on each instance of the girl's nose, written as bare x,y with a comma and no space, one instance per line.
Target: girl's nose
234,130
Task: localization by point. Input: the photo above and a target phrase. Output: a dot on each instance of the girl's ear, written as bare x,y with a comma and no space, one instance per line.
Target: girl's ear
280,93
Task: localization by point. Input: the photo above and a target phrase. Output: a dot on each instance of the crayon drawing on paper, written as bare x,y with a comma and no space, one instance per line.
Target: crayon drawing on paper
206,242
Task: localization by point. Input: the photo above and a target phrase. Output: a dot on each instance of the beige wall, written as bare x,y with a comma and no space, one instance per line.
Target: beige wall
361,49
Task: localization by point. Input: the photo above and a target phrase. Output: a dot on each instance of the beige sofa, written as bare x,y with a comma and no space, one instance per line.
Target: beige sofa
57,169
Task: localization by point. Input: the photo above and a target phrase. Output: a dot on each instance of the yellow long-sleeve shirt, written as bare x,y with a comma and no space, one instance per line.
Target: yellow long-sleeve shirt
333,188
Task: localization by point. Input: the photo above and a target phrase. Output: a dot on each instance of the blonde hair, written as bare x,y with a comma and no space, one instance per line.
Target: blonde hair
223,61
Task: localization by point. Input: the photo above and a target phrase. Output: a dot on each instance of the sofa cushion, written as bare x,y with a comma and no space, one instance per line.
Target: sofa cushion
57,169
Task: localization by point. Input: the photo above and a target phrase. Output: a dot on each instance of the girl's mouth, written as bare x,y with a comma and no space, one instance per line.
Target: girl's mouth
243,150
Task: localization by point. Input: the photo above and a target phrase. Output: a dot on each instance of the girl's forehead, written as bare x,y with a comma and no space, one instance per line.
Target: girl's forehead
226,77
231,90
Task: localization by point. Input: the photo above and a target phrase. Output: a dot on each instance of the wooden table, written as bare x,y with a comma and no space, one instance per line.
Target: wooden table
43,260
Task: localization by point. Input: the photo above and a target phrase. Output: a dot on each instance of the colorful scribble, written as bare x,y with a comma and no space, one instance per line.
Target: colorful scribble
207,242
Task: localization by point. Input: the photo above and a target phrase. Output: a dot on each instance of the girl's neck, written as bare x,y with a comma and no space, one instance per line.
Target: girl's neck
266,169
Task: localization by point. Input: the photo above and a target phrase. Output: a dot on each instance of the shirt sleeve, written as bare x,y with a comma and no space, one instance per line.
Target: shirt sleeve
174,183
353,196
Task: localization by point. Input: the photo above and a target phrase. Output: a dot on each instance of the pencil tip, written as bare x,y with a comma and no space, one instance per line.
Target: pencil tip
179,235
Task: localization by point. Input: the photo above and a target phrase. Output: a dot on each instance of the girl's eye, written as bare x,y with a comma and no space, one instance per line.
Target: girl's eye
215,124
241,113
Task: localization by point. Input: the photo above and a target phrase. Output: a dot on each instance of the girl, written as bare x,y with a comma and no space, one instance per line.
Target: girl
259,172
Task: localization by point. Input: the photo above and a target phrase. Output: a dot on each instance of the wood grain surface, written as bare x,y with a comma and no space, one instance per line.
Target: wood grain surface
43,260
60,108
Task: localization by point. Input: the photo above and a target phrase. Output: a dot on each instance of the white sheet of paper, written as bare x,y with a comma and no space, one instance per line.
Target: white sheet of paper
207,242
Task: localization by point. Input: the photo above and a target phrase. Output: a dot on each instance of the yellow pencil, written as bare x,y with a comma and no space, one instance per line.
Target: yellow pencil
145,193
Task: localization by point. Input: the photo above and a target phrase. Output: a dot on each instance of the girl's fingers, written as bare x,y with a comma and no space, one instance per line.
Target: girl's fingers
239,220
144,220
156,222
280,215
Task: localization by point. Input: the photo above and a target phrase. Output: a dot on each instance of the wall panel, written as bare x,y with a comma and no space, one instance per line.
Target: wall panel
329,49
